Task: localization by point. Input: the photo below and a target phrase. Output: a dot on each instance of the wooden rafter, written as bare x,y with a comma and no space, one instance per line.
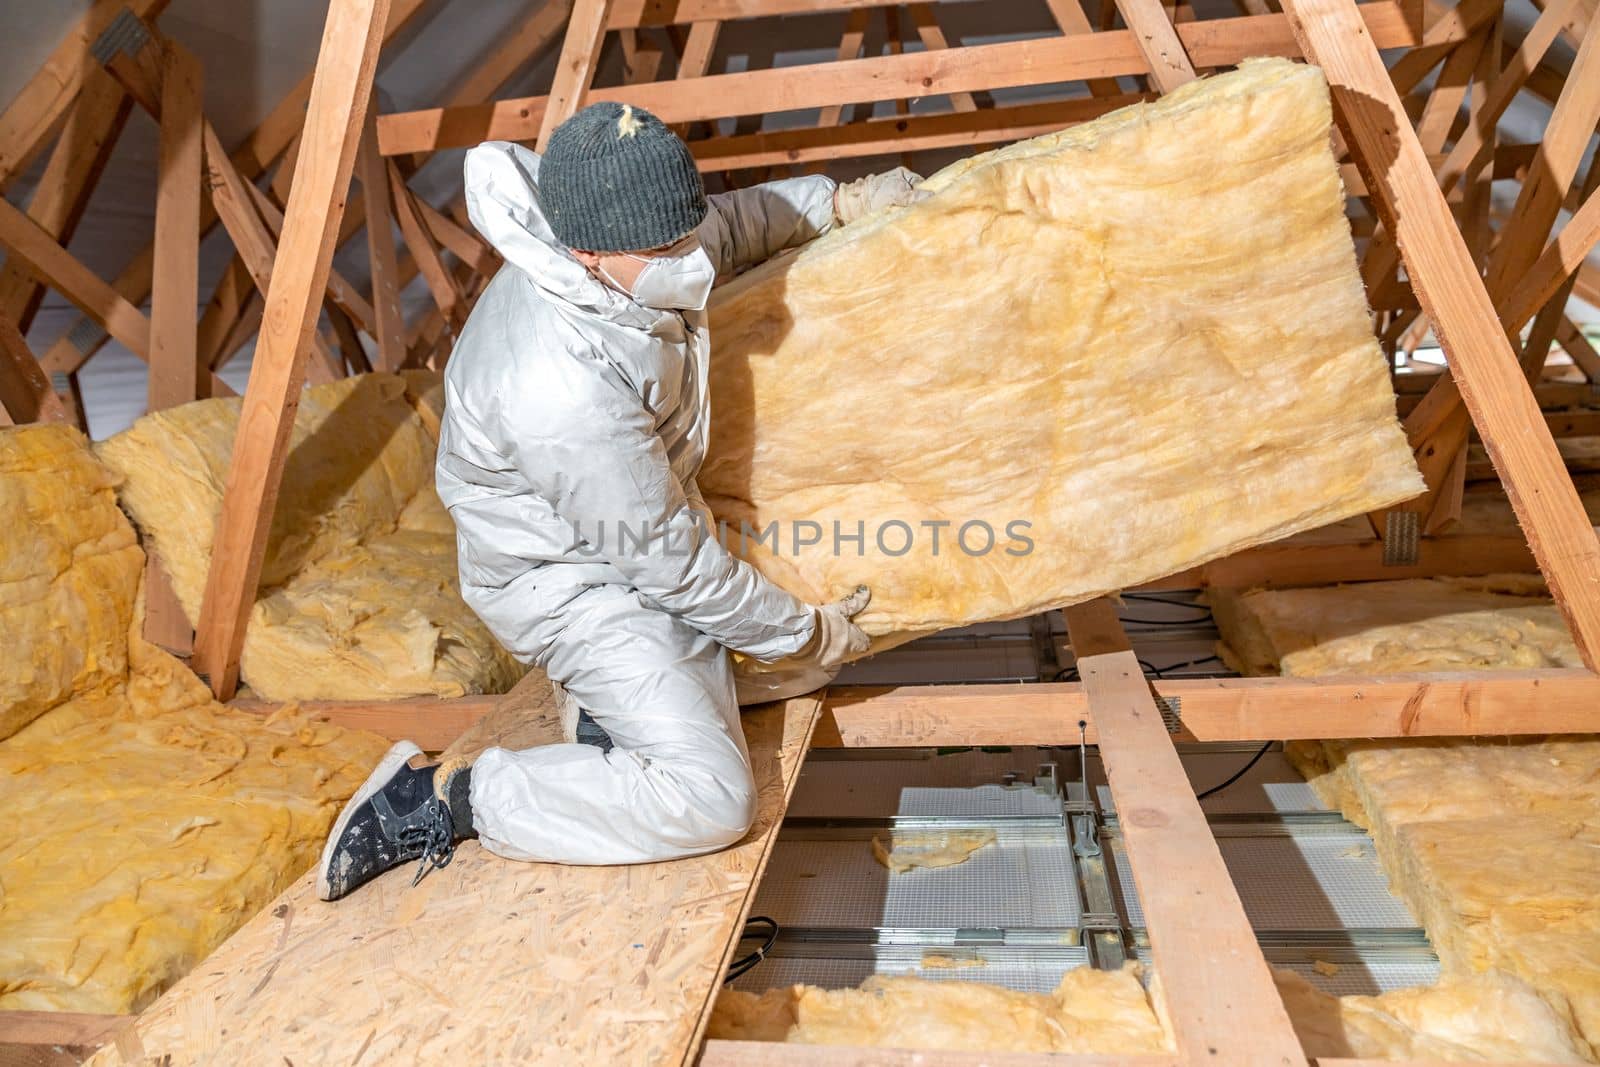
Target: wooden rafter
36,112
1216,988
1491,383
340,94
259,151
175,290
254,243
56,266
1158,40
1215,43
389,326
76,163
25,391
580,53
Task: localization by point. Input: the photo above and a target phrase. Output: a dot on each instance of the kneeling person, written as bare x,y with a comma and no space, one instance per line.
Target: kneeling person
576,404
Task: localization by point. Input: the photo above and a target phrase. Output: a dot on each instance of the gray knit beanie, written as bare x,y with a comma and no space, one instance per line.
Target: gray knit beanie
615,179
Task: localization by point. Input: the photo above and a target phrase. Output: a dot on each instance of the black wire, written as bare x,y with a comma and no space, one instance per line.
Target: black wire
745,963
1164,671
1157,598
1198,619
1238,775
1070,674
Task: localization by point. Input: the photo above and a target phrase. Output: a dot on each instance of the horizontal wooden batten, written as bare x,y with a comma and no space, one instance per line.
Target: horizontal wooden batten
1454,704
960,129
1291,565
72,1029
718,1053
1009,64
775,1054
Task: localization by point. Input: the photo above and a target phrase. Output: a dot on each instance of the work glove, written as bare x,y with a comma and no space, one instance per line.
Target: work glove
875,192
836,637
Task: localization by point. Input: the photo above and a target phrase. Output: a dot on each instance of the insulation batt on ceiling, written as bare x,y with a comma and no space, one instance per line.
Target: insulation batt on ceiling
1144,336
144,823
1494,845
1481,1018
358,595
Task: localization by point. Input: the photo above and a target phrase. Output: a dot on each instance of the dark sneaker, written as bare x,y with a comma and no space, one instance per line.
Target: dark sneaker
395,817
590,732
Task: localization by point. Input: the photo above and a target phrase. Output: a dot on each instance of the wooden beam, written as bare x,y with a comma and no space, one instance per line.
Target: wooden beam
580,54
1293,564
447,295
341,293
1382,256
1583,354
901,134
467,246
339,98
277,131
851,42
175,293
26,394
775,1054
1561,149
1221,1005
1440,704
527,41
55,265
1453,296
926,22
177,372
76,163
1556,264
1040,61
389,325
38,109
236,207
1070,18
71,1028
1158,40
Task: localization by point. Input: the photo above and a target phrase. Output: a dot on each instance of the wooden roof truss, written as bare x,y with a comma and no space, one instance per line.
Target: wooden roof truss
1420,163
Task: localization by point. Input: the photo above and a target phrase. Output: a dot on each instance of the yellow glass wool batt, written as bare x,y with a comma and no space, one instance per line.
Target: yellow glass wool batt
1495,845
1145,337
1483,1018
1091,1011
139,836
359,596
144,823
69,564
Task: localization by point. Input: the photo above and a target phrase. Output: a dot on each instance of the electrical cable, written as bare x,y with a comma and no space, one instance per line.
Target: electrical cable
1240,773
746,963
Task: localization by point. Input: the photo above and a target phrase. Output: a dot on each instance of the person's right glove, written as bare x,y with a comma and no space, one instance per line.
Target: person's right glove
836,637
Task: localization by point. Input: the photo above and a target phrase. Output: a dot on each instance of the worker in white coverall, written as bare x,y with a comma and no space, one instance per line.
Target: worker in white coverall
576,416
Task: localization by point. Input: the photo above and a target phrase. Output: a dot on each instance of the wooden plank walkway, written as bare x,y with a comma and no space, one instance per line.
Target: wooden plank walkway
486,960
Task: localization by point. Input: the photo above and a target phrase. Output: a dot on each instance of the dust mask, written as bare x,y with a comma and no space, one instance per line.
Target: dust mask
679,278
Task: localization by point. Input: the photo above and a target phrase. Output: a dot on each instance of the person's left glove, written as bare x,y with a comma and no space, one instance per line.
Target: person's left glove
836,638
875,192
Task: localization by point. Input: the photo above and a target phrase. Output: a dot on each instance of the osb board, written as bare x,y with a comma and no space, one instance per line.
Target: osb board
487,960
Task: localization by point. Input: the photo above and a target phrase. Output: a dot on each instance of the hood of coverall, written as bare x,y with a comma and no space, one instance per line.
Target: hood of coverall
502,189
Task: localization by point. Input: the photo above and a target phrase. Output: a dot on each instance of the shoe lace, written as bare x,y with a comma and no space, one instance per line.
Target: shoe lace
432,837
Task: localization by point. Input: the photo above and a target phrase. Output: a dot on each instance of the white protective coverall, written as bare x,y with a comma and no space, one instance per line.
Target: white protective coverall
570,407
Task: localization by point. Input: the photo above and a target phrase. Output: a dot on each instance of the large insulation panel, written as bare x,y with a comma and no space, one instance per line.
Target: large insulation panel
1144,337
